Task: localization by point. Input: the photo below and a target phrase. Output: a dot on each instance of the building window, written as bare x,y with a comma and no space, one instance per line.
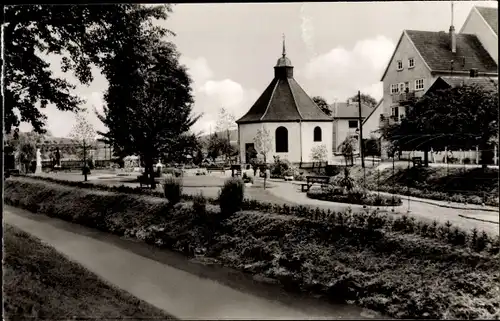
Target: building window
400,64
317,134
419,84
411,63
401,87
353,124
394,88
407,86
395,113
281,140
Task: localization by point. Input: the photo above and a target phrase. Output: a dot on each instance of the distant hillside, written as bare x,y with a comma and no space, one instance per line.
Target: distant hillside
233,136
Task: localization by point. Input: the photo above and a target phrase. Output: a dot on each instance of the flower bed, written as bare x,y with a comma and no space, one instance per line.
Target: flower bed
400,267
491,200
360,198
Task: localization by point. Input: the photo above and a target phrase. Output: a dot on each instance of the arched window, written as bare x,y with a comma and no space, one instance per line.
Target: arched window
317,134
281,140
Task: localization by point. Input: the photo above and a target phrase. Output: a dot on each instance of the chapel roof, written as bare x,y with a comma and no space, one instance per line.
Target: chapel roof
284,99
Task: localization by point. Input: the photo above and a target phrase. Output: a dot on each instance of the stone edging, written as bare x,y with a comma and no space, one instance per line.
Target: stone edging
478,219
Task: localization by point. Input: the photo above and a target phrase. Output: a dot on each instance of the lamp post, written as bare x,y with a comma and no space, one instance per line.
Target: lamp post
361,153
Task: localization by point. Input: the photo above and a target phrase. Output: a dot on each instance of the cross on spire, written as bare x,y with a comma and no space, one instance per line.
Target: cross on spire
284,50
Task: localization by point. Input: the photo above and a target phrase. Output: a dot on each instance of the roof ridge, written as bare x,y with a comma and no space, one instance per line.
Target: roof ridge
300,87
270,99
294,99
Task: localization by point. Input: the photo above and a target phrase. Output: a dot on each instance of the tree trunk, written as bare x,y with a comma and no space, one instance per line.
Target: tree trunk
482,156
426,156
85,161
148,162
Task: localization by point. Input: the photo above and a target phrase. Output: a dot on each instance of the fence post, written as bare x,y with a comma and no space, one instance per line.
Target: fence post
446,155
477,155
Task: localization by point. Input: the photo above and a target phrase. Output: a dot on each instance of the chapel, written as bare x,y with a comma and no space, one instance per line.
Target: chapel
296,124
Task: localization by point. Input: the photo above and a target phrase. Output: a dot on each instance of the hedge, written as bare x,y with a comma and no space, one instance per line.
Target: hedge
370,199
400,267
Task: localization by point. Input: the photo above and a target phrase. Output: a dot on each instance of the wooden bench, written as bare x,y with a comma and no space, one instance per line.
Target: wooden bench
144,180
417,161
216,169
311,180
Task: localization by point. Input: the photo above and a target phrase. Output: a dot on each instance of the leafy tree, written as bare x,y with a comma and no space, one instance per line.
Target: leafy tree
84,135
322,104
82,35
263,143
186,144
365,99
225,123
149,100
319,153
429,121
215,146
24,146
347,149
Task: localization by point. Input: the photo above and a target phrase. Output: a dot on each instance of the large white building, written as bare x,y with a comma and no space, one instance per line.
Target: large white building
295,122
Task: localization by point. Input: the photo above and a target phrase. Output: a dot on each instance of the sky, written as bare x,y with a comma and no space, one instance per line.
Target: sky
230,50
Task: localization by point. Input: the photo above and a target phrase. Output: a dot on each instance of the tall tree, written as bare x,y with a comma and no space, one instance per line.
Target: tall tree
84,135
81,34
365,99
461,117
263,145
225,123
149,101
322,104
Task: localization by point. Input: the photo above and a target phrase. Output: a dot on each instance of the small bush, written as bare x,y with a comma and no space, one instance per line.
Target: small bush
172,189
231,196
200,205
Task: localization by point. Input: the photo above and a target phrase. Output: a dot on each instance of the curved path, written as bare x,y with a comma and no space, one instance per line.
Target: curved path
426,211
170,282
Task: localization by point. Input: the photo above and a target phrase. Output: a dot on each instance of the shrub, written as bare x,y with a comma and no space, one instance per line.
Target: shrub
345,254
172,189
200,205
231,196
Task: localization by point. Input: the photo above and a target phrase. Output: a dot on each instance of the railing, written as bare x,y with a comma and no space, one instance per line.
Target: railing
388,120
403,97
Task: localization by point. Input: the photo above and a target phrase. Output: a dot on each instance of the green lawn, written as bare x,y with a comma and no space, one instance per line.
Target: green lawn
40,283
468,182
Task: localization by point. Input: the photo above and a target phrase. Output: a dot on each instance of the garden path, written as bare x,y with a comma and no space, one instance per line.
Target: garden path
291,193
170,282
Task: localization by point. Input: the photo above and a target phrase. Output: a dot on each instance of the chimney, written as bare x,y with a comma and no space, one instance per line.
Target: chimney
453,39
453,36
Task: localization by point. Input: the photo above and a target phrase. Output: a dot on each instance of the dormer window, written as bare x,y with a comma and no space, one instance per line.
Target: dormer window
400,64
411,63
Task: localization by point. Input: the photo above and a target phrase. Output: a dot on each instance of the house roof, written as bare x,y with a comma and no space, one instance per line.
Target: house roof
284,100
490,15
344,110
484,82
434,47
373,110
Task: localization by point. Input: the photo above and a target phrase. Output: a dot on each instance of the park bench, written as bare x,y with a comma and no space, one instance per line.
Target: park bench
417,161
311,180
215,169
144,180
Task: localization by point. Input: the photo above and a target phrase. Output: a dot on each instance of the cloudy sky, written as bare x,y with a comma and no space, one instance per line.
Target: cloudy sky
230,50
